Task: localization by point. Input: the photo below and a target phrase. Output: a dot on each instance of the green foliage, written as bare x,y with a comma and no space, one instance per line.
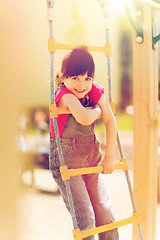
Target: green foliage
124,122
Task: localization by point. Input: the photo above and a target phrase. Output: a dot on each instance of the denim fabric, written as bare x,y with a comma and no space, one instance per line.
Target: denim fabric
74,129
90,195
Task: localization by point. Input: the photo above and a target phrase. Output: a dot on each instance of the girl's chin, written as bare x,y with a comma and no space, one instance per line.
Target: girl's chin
80,94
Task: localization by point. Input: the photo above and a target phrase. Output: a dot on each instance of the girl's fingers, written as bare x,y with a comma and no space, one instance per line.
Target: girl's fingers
109,170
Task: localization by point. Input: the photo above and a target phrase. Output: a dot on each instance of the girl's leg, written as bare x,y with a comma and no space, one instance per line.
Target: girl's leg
76,156
82,205
101,203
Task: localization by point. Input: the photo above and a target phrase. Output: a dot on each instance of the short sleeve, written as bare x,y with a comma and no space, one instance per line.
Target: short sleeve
95,93
61,92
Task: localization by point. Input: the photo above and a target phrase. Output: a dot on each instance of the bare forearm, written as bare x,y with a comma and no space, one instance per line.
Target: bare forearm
111,135
84,116
89,116
65,110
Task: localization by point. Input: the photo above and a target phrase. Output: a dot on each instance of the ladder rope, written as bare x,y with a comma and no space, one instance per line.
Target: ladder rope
50,5
106,17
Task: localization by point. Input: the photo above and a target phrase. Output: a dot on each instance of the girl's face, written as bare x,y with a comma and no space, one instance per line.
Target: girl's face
80,85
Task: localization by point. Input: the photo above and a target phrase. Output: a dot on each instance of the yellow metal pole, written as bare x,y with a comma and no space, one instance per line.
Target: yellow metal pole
145,101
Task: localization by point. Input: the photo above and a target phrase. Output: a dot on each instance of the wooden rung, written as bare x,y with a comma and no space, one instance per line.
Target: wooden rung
79,235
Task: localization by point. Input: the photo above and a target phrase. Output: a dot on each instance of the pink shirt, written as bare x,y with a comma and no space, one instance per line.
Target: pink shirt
94,96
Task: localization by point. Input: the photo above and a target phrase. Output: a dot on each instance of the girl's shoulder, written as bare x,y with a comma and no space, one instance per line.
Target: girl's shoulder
96,92
97,87
61,91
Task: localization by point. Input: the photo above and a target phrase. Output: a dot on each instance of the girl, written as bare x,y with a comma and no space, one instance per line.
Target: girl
84,102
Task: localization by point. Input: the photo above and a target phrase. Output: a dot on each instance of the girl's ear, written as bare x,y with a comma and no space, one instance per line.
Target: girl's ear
59,78
62,79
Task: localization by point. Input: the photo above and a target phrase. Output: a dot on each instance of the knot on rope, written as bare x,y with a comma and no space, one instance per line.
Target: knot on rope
50,3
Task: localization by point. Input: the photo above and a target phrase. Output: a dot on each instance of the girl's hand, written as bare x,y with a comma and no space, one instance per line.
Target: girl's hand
97,107
108,165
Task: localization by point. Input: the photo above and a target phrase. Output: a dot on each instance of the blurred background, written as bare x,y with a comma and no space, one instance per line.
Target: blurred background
25,93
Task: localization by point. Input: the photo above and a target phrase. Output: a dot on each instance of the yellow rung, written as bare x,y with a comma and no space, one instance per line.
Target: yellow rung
137,218
125,164
64,173
67,173
63,46
83,171
51,45
79,235
72,46
53,110
122,165
107,50
112,107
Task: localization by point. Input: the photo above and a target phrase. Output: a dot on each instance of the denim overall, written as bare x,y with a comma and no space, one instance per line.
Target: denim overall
90,196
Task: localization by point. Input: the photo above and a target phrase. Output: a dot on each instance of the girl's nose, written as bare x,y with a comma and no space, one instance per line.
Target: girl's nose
81,82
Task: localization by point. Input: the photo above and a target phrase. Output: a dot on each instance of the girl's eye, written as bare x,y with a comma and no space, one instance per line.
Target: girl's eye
74,78
88,79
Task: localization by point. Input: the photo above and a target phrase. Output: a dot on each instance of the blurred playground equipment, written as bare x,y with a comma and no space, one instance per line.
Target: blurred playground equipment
34,148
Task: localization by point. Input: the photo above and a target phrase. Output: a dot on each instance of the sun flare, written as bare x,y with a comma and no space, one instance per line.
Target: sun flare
119,4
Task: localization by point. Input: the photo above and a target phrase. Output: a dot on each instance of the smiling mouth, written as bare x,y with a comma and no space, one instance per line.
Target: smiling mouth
80,91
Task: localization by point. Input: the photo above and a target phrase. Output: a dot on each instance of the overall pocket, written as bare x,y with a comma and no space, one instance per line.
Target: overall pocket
54,161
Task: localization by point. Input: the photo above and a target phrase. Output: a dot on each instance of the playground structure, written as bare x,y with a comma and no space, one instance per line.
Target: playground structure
145,99
145,107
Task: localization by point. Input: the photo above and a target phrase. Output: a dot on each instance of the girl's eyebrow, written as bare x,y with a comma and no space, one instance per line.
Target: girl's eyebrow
74,76
80,75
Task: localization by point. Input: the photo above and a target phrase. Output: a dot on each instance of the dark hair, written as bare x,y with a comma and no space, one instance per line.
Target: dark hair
78,62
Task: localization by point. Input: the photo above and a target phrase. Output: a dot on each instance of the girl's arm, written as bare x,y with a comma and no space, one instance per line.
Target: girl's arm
111,135
65,110
82,115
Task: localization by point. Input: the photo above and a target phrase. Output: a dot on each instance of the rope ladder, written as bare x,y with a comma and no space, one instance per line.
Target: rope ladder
67,173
